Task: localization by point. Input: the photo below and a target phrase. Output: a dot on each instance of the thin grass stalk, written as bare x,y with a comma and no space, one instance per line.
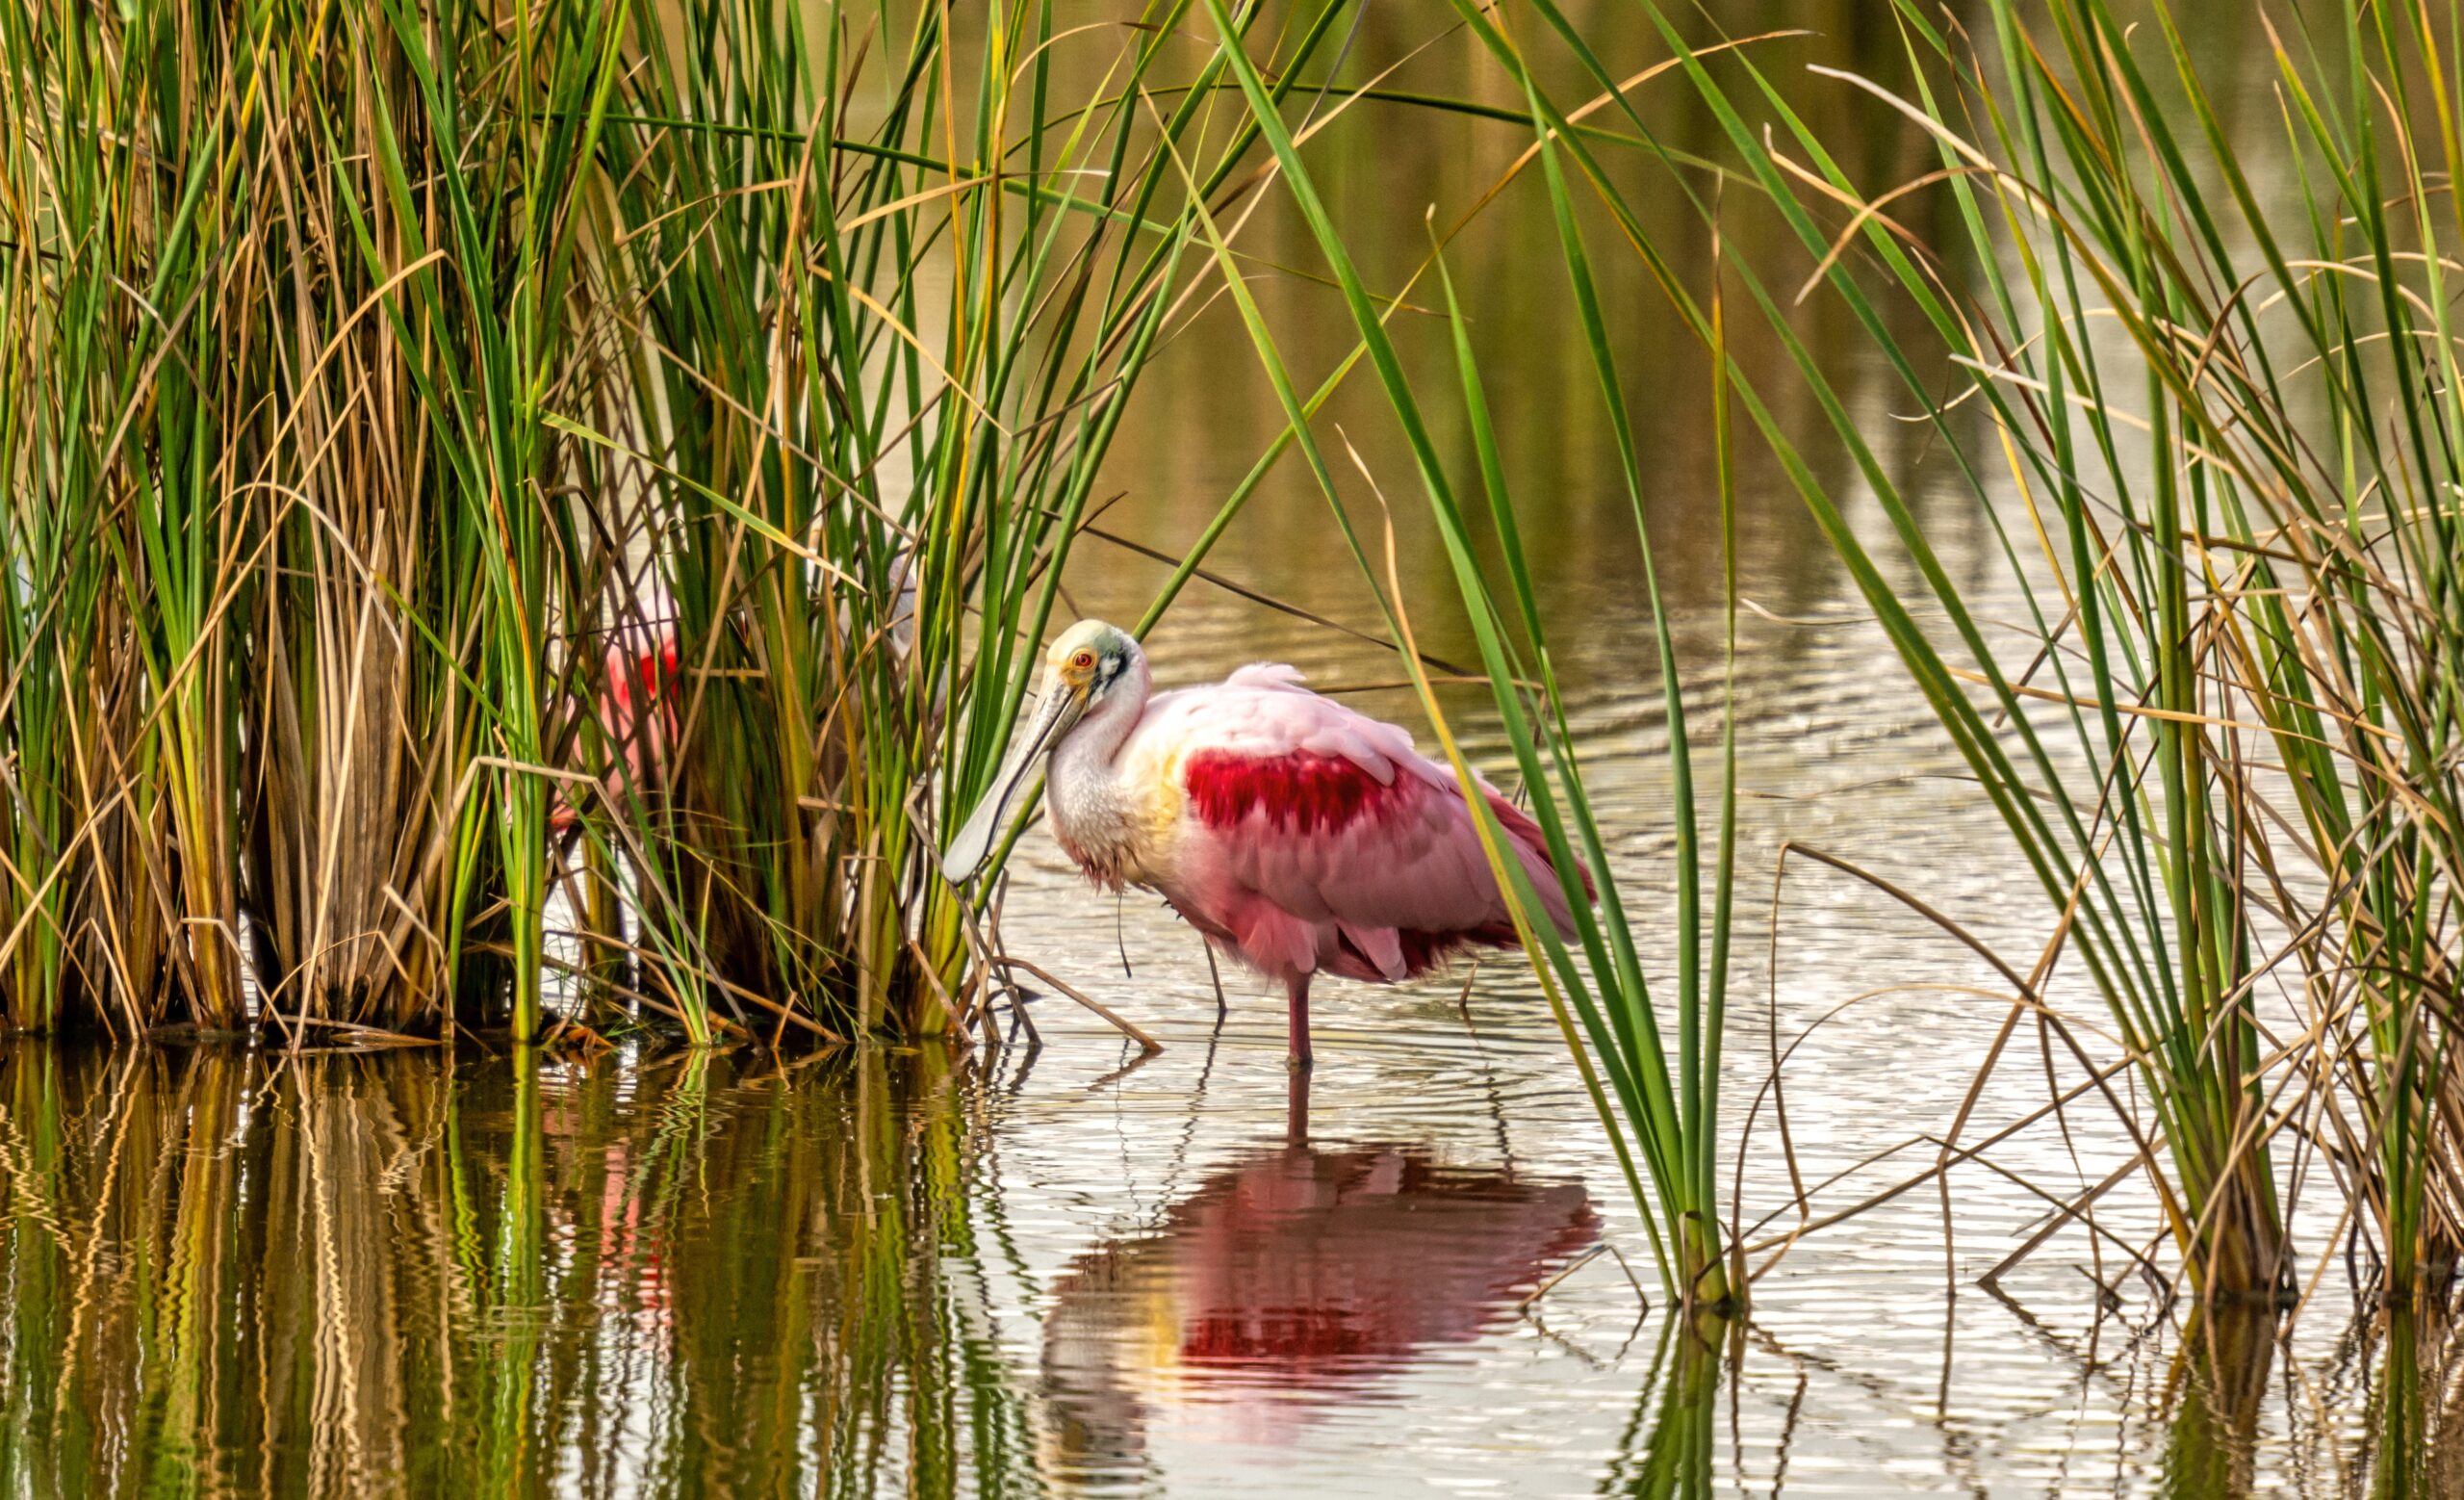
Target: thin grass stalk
1668,1122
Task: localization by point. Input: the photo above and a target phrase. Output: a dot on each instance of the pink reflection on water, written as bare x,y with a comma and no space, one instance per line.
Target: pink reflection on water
1286,1286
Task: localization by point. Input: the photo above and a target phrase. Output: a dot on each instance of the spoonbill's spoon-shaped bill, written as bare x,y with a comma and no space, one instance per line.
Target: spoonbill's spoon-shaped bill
1052,717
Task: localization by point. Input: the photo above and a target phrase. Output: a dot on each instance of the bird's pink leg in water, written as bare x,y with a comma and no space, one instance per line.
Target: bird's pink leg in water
1296,1013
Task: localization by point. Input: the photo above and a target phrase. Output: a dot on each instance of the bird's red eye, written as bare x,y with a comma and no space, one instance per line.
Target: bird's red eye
1083,660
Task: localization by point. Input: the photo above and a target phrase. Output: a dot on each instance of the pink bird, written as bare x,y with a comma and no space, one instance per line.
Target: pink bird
643,673
1298,837
636,680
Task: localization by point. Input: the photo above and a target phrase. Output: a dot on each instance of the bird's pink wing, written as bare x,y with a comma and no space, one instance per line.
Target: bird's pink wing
1317,837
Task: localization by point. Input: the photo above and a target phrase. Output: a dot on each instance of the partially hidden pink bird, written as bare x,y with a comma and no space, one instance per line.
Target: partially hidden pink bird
636,681
1297,836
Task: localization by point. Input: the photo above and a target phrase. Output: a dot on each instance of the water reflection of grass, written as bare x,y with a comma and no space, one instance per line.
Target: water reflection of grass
1668,1451
349,1274
2218,1392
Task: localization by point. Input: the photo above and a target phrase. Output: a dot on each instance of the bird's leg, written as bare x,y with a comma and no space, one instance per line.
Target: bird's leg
1211,972
1297,1012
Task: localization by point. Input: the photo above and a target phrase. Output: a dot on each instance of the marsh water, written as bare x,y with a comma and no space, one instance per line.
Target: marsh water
1056,1266
906,1272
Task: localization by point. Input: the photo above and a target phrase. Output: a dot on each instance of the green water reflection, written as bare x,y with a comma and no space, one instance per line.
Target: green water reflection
353,1274
237,1272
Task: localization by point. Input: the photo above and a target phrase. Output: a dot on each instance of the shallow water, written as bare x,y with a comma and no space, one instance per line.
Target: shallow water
1067,1270
1070,1272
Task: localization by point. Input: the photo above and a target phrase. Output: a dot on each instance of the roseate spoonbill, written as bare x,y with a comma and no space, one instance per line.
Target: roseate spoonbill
1297,836
644,674
636,681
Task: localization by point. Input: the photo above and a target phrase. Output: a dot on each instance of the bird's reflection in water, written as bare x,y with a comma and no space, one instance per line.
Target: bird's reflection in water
1288,1283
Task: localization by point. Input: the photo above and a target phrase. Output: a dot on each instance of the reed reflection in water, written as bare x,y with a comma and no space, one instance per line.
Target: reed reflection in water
233,1272
228,1272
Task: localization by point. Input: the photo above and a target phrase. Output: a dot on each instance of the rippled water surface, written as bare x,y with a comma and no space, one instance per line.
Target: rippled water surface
1067,1273
1067,1269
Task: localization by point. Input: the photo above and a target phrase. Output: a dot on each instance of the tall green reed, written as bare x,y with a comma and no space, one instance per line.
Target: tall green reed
1659,1104
72,692
2229,530
893,309
393,378
283,553
2242,501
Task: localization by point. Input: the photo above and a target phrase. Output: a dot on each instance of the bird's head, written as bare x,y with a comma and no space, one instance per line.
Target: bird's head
1089,658
1086,670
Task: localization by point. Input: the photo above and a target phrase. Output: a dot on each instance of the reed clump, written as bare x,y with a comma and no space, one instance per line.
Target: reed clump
2226,413
382,387
2212,417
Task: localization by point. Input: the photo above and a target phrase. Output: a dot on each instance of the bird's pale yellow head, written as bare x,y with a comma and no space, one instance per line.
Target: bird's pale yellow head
1087,660
1081,670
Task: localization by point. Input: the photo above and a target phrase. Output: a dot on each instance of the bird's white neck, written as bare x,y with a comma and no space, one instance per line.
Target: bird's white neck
1094,815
